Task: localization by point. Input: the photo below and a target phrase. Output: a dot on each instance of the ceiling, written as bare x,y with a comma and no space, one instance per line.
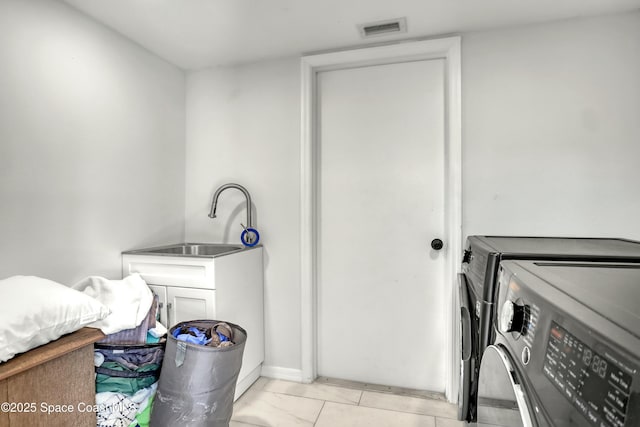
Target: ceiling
195,34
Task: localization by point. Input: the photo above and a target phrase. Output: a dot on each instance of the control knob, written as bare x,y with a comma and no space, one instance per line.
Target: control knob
513,318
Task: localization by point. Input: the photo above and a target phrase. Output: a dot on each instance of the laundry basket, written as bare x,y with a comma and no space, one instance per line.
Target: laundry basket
197,382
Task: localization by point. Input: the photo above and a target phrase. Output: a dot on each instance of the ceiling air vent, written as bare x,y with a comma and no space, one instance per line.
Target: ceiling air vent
381,28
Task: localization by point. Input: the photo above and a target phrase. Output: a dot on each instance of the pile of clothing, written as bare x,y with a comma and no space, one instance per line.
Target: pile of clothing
218,335
120,410
126,383
128,360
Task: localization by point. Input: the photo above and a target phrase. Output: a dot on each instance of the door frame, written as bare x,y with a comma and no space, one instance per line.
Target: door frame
447,49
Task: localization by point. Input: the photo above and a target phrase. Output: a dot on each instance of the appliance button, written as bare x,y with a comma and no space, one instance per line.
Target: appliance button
513,318
506,316
581,405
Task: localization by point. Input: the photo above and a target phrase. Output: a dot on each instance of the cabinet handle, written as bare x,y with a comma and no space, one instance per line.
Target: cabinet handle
160,305
169,305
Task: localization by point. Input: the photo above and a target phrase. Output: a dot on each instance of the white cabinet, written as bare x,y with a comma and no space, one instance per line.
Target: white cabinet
177,304
190,304
227,287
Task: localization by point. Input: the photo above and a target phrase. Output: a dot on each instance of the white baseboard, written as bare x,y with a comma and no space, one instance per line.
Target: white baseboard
280,373
246,382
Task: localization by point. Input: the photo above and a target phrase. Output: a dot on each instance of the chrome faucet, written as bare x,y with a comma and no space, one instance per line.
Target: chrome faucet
214,203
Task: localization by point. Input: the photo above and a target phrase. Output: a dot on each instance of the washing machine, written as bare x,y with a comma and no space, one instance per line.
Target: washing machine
567,347
477,289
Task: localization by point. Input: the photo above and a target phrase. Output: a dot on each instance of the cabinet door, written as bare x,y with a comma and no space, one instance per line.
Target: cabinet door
161,291
190,304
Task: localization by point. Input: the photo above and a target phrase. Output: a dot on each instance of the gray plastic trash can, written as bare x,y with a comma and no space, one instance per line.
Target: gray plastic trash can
197,382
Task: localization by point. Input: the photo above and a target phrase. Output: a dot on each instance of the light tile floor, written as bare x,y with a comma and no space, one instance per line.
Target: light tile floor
277,403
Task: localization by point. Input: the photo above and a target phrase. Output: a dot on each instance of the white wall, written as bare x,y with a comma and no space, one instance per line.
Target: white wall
550,146
551,122
243,125
91,144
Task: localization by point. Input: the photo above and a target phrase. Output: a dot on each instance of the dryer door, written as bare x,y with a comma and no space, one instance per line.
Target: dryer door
464,344
501,395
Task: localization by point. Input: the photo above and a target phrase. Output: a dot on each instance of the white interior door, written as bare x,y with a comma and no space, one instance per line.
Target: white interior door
381,293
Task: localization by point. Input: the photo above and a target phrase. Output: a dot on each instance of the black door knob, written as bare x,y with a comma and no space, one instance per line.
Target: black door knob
437,244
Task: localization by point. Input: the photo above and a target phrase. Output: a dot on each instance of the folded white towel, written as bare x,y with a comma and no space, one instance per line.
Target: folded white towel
159,331
128,299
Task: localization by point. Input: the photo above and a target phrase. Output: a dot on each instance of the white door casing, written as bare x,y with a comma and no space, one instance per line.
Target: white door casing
447,49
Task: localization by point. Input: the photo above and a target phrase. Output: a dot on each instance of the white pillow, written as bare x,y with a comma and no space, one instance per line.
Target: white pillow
35,311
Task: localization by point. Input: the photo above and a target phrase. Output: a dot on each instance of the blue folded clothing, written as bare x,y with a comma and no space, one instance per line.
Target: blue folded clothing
194,336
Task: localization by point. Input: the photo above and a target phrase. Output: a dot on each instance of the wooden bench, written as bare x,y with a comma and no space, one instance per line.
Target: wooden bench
53,383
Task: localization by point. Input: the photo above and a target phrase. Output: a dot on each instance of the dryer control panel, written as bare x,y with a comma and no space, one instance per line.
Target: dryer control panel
580,367
596,381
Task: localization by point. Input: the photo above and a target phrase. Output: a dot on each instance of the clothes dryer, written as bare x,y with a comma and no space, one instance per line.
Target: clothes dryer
567,347
477,288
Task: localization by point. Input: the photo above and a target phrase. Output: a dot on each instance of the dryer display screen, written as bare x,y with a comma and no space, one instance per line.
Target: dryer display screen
598,384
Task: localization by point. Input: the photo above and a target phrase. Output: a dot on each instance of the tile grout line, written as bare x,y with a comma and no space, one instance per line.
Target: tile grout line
387,410
294,394
376,388
358,403
398,411
319,412
310,398
242,422
408,410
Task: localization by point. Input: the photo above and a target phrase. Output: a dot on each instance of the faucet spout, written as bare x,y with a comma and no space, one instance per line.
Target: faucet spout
216,195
